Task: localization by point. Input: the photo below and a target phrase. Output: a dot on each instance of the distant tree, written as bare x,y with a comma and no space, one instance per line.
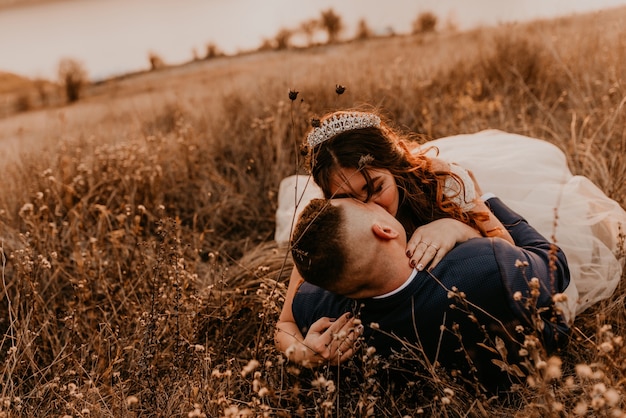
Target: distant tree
212,51
266,45
425,22
23,102
42,91
283,38
73,77
308,29
156,62
363,30
332,24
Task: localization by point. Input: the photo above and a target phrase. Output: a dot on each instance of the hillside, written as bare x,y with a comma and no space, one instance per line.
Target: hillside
417,58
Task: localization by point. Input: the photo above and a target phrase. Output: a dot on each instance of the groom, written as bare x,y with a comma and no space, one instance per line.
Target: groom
352,257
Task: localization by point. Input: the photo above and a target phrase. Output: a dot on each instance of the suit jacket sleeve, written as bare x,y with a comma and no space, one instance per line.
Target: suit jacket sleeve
533,257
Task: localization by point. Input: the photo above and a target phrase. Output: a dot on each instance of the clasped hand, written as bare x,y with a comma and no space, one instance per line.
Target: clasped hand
332,341
431,242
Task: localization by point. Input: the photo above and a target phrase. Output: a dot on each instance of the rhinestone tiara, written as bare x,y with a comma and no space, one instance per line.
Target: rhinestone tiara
338,124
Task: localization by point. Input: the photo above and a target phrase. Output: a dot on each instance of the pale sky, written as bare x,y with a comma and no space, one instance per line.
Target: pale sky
115,36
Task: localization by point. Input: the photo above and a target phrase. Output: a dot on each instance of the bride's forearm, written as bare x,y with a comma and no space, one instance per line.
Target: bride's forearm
491,225
290,342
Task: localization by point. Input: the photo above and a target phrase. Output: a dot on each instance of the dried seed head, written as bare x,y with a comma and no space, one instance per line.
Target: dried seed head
365,160
339,89
293,95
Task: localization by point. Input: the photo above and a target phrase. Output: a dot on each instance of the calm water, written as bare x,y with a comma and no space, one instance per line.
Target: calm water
115,36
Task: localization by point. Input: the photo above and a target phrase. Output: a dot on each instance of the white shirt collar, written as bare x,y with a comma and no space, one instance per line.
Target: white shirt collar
398,289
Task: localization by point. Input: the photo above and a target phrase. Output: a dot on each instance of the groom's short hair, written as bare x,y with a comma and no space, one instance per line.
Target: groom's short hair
318,244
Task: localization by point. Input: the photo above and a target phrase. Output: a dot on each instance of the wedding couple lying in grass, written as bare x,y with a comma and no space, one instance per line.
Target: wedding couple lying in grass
468,252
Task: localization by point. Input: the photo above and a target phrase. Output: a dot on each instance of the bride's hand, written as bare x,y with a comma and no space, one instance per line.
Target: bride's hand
331,341
431,242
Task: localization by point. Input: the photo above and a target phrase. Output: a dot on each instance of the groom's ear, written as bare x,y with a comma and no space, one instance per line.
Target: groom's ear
384,232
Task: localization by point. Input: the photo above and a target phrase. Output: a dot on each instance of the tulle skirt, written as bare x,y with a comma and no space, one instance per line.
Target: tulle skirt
532,177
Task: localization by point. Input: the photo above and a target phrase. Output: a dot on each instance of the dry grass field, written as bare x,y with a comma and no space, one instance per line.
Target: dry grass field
139,272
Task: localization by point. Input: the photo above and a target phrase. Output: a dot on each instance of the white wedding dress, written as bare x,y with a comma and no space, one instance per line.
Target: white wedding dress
532,177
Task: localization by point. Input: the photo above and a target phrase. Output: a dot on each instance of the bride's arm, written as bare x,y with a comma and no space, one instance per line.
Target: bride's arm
491,226
468,196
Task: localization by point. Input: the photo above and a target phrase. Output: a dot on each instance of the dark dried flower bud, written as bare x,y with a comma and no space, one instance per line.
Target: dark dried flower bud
293,95
315,123
339,89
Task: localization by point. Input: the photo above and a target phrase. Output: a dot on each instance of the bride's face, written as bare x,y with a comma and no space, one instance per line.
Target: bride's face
350,182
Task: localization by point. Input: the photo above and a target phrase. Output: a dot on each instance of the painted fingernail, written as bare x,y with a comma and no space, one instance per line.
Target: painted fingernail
412,263
420,267
408,253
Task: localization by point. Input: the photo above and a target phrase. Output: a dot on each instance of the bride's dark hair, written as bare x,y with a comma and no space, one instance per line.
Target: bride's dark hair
420,184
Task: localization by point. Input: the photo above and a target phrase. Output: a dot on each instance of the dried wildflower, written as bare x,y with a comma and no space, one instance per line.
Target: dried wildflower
584,371
339,89
449,392
612,397
580,408
605,347
290,351
27,209
250,367
131,400
517,296
365,160
293,95
520,263
597,403
196,413
320,381
553,370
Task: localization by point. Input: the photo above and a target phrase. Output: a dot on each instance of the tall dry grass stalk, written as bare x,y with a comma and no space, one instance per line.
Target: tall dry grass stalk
139,275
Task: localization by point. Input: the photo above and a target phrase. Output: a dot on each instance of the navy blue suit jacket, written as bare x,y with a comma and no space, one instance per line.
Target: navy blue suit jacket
425,315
